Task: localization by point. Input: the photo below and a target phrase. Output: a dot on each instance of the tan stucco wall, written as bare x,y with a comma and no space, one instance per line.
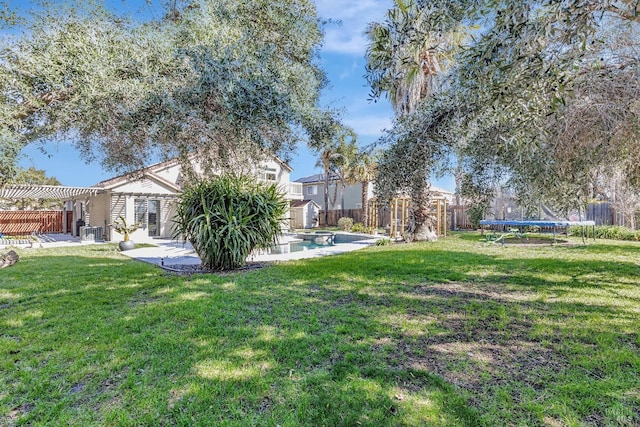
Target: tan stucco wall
167,211
120,200
99,211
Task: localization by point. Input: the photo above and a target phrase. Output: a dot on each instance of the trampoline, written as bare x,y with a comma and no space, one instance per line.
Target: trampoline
553,224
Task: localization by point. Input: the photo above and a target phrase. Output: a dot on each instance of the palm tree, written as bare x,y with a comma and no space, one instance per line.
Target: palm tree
348,156
363,170
328,157
405,61
334,157
405,58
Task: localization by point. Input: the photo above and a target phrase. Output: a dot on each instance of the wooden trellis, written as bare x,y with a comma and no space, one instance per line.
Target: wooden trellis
399,215
440,206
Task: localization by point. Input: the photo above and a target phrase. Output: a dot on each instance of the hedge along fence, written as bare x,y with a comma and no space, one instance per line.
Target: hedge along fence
27,222
614,232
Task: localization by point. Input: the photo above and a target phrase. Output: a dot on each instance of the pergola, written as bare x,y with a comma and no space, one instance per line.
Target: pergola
54,192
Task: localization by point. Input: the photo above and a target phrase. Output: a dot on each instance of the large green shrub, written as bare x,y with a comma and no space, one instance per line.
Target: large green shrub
228,217
359,227
475,214
345,223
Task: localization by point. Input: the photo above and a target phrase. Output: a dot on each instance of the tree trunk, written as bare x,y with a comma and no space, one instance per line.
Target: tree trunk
421,218
326,197
365,203
459,174
8,259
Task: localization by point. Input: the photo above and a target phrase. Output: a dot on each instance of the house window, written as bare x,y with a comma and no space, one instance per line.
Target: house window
153,217
268,174
312,190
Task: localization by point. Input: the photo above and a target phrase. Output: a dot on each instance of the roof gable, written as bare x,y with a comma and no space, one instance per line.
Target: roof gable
135,178
303,203
136,175
155,171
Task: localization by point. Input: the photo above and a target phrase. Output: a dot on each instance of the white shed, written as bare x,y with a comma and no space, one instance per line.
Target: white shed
304,214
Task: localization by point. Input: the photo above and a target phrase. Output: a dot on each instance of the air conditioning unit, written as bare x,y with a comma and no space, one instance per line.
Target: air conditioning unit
89,233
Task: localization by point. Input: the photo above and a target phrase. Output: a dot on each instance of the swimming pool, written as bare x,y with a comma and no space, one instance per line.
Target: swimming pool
307,245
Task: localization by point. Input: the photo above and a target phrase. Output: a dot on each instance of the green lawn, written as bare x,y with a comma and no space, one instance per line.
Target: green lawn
456,332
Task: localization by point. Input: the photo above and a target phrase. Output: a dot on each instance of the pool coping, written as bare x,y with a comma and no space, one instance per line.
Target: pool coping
170,252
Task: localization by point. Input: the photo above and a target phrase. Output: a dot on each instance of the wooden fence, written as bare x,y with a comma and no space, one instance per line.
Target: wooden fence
335,215
457,218
26,222
601,213
384,217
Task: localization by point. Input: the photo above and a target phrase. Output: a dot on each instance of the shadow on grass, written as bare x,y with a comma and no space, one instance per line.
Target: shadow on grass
512,330
401,336
107,340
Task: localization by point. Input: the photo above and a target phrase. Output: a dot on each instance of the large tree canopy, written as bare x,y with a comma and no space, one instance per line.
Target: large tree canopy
222,78
543,96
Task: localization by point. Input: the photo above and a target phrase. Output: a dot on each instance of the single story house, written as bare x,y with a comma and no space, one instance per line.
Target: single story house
148,197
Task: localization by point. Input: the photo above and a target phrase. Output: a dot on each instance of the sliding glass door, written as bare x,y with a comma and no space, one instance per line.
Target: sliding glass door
154,218
148,215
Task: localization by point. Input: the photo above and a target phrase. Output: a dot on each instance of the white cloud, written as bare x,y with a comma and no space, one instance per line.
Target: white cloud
348,72
354,16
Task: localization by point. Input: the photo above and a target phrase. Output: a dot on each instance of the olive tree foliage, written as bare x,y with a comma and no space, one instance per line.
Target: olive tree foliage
550,101
224,79
414,152
624,198
542,98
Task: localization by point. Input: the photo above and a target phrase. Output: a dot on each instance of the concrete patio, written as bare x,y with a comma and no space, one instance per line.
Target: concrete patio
169,252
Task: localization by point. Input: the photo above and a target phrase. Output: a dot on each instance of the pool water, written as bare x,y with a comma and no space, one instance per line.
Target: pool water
306,246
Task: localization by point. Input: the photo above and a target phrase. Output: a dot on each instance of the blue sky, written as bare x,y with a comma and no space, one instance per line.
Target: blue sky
342,57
